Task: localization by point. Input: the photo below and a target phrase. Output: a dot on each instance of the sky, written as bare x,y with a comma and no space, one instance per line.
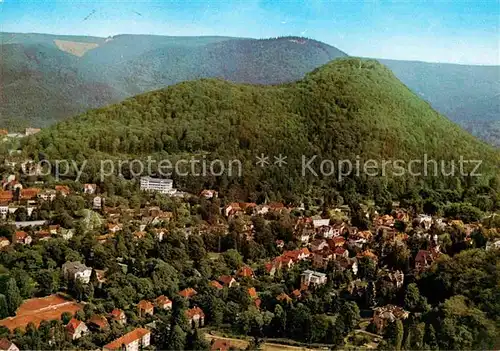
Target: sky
453,31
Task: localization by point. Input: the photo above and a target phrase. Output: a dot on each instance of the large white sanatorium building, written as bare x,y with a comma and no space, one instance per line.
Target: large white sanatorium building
164,186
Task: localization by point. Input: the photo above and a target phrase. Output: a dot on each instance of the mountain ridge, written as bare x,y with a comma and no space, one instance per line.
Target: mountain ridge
124,66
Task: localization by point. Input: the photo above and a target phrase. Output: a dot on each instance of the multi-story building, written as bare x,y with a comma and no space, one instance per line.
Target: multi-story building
164,186
312,277
77,270
134,341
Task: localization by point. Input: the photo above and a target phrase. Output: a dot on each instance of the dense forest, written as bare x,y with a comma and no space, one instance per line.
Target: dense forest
347,109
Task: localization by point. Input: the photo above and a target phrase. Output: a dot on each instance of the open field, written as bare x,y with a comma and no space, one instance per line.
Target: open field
39,309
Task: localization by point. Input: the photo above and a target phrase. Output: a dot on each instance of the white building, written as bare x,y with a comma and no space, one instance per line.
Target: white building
97,203
77,270
312,277
164,186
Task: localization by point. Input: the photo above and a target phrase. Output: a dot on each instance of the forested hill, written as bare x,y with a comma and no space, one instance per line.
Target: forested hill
346,108
47,78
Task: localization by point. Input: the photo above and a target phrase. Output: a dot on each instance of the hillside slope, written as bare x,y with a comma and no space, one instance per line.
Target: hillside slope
345,109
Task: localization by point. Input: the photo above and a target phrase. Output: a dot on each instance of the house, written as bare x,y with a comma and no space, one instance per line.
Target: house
220,345
47,195
227,280
119,316
336,242
196,317
309,277
22,238
397,278
188,293
31,131
163,302
253,293
216,284
209,194
284,298
320,223
4,210
490,245
145,308
89,188
318,244
245,271
114,228
368,254
424,221
297,255
29,194
4,242
97,202
326,232
67,234
54,229
424,258
6,196
75,329
385,315
159,233
385,220
98,323
280,244
6,345
76,270
43,235
340,252
136,340
63,189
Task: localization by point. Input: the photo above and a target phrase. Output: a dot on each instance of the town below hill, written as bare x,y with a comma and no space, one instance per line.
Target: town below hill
88,267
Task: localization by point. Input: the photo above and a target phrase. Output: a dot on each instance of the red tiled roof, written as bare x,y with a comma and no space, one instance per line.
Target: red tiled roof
193,312
21,235
226,279
73,324
29,193
245,272
145,305
99,321
5,344
116,313
6,195
189,292
62,189
216,284
163,300
253,293
127,339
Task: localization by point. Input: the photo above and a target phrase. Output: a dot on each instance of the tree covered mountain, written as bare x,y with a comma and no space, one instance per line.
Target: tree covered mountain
46,78
348,109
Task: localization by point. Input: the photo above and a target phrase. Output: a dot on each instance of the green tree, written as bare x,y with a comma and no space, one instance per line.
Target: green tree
177,339
394,335
4,308
13,296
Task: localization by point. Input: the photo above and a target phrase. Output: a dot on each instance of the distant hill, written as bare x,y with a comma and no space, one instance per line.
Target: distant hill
346,108
469,95
51,77
47,78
